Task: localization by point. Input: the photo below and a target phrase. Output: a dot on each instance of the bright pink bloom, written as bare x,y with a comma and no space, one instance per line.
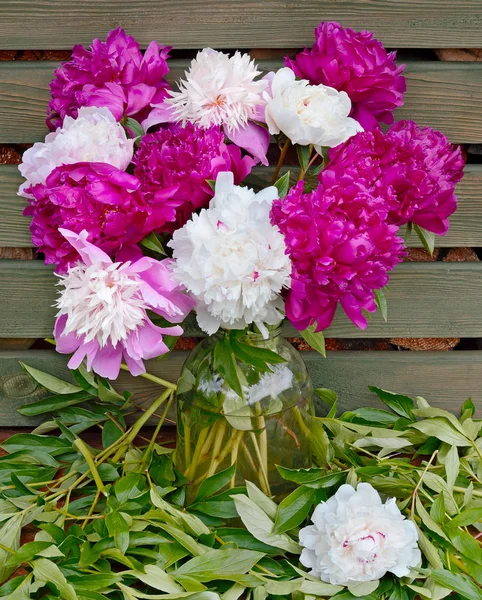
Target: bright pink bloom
113,74
102,309
97,197
358,64
173,166
341,250
415,169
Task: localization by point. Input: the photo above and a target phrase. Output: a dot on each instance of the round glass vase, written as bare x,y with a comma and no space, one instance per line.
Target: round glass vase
267,426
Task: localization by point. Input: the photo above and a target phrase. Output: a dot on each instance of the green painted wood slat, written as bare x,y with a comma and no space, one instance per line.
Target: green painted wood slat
446,380
425,300
465,227
51,24
443,95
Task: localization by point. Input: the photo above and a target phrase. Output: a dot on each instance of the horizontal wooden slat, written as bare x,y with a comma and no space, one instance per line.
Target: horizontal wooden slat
27,295
445,96
465,228
237,23
446,380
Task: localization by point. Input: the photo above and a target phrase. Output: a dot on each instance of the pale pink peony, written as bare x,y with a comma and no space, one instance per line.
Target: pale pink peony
355,63
94,136
102,309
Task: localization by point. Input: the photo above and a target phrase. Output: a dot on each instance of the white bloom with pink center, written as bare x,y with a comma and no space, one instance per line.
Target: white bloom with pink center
102,309
309,114
356,538
233,260
94,136
219,90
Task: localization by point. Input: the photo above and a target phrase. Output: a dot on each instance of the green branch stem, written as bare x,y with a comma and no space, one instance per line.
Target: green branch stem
281,160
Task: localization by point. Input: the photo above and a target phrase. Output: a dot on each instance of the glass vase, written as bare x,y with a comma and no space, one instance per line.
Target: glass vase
267,425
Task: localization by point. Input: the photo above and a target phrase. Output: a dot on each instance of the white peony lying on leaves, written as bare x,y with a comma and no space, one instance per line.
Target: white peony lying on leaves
232,259
309,114
94,136
356,538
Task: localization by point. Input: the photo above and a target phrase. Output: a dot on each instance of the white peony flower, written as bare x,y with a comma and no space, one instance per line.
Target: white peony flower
94,136
219,90
309,114
232,260
356,538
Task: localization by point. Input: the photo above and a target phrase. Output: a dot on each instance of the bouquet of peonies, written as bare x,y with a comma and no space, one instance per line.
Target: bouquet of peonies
140,198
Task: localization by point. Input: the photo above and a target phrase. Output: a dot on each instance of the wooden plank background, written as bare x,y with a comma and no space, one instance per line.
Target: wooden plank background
444,96
465,224
444,379
425,300
55,24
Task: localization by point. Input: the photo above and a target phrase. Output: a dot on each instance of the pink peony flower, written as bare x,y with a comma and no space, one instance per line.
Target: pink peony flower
97,197
113,74
102,309
173,166
415,169
358,64
341,250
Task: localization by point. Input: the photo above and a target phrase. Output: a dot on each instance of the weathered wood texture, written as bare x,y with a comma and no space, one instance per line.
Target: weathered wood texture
425,300
442,95
465,227
444,379
53,24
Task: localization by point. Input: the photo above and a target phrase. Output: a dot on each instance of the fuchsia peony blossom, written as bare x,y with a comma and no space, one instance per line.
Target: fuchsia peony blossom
415,169
102,309
113,74
341,250
358,64
173,166
96,197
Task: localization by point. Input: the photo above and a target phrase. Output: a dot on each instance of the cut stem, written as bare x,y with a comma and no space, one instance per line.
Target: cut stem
281,160
154,378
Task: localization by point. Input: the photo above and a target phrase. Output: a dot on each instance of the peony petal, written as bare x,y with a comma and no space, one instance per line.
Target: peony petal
253,138
107,361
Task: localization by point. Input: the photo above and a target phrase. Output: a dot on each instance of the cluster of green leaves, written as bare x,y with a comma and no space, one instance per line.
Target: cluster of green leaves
111,522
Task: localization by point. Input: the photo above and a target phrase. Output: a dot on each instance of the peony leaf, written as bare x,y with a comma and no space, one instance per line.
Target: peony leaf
402,405
46,571
467,517
442,430
452,467
215,483
155,577
133,128
381,302
225,364
427,519
294,509
51,383
459,583
152,242
304,155
426,237
283,184
223,564
429,550
9,538
315,339
263,501
363,588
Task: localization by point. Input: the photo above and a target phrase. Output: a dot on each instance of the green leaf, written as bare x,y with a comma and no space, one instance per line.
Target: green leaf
452,467
212,184
260,525
381,302
363,588
10,538
248,353
465,544
118,528
215,483
442,430
51,383
225,364
26,553
110,433
283,184
426,237
129,487
294,509
46,571
315,339
262,500
219,564
429,550
152,242
244,539
437,511
135,127
402,405
457,582
427,519
320,443
158,579
467,517
304,154
53,403
31,442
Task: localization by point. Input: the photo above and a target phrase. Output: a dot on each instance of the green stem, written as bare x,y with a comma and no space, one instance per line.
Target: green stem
262,474
82,448
218,440
235,439
281,160
154,378
191,468
263,437
234,457
150,448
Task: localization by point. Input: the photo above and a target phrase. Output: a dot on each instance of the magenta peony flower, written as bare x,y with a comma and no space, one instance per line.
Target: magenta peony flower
102,309
415,169
173,166
341,250
358,64
113,74
97,197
